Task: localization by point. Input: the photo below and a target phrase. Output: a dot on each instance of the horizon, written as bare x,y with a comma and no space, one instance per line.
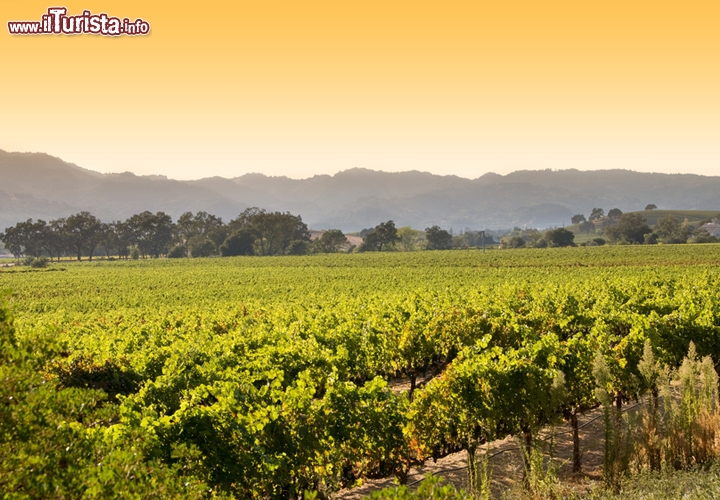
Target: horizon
333,174
313,87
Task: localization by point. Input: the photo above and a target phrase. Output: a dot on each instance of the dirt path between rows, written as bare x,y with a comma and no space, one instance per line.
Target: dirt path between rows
506,464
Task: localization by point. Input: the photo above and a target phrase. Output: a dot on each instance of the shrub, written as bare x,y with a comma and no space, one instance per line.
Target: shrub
36,262
298,247
40,262
201,247
177,252
238,243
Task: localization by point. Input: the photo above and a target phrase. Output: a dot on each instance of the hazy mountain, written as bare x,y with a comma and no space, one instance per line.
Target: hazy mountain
40,186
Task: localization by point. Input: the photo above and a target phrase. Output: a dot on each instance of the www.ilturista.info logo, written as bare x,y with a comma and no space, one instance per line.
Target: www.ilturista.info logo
57,22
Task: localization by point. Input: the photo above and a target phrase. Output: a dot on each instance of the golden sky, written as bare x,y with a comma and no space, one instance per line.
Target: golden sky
297,88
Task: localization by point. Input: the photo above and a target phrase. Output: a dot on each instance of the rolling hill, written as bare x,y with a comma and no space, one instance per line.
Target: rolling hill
36,185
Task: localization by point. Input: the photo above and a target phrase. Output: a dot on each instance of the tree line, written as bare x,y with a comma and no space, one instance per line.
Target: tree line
385,236
633,228
616,228
254,232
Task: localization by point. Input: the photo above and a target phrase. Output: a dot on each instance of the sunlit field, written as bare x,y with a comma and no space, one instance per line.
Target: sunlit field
268,376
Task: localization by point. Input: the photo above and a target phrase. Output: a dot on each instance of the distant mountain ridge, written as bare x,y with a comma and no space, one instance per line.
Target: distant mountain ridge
37,185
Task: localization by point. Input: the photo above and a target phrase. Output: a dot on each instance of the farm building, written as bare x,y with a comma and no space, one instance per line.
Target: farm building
713,228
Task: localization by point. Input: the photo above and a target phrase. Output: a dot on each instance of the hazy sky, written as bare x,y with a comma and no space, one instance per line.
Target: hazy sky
296,88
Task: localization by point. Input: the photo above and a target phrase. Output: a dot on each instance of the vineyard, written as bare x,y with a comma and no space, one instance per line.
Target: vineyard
269,377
